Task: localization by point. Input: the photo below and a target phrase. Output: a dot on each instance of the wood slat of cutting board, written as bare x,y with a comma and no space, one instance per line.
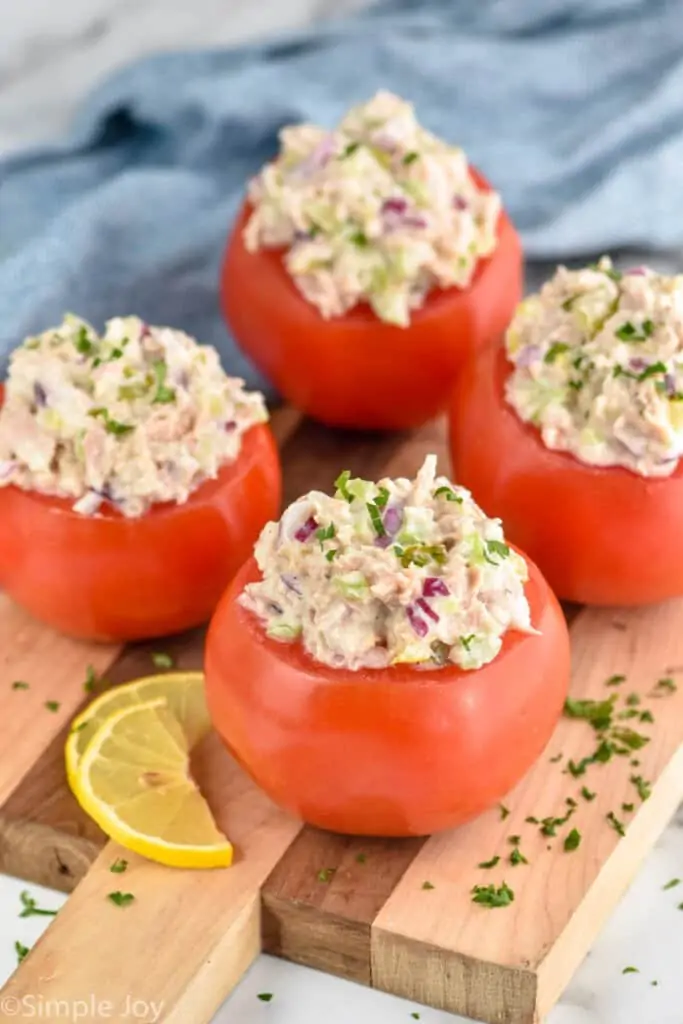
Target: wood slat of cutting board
372,921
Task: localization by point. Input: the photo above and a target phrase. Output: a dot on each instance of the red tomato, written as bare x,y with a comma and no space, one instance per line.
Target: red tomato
356,370
392,752
600,536
106,577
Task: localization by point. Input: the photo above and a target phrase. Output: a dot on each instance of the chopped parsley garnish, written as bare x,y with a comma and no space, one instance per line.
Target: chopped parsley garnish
671,884
467,640
663,687
331,554
514,840
629,332
31,908
496,547
504,811
597,712
448,493
427,885
550,825
121,899
163,394
119,866
110,425
631,739
572,840
19,684
326,533
21,950
575,384
90,679
632,700
410,158
361,858
490,896
83,343
643,788
265,997
555,350
646,716
568,303
326,874
616,824
517,857
554,760
359,238
382,498
631,970
162,660
587,794
420,554
615,680
415,1015
489,863
376,519
52,705
342,485
652,370
350,149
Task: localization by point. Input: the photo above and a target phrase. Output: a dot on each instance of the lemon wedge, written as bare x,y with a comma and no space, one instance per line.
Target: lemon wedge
133,778
182,691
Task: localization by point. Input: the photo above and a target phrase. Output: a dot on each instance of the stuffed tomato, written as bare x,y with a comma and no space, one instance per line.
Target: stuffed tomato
572,432
135,477
387,664
366,265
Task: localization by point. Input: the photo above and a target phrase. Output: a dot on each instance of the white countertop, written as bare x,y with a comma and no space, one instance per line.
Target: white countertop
50,54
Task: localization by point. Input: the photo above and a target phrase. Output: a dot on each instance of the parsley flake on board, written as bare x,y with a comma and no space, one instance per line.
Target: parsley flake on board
489,863
631,970
21,950
19,684
671,884
587,794
504,811
663,687
616,824
554,760
555,350
90,679
492,896
361,858
119,866
326,874
643,788
121,899
52,705
265,997
572,841
428,885
517,857
615,680
597,712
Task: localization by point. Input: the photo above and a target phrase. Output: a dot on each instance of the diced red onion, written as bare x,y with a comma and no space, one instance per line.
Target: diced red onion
393,517
460,203
424,607
638,272
528,355
417,622
395,204
637,363
305,531
291,582
434,587
39,393
230,425
670,384
414,220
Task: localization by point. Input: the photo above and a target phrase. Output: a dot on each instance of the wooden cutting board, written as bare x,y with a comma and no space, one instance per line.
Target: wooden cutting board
397,915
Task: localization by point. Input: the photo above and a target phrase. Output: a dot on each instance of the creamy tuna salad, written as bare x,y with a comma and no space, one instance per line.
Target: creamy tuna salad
378,210
402,571
598,366
136,416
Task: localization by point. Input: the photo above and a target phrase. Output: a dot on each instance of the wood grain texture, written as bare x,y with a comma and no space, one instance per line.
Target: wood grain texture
354,907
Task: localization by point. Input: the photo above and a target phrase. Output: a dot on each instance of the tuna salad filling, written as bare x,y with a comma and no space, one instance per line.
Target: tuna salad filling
598,366
402,571
138,416
378,210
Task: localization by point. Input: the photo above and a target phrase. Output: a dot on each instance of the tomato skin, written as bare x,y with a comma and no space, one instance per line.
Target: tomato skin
111,578
355,370
600,536
390,752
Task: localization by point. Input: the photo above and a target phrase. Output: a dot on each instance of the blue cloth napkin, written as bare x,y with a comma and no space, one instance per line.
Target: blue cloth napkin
571,107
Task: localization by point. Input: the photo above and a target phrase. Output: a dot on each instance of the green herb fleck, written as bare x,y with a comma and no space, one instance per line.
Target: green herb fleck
110,425
643,788
504,811
490,896
265,997
21,951
52,705
572,840
376,519
663,687
331,554
31,908
415,1015
119,866
162,660
629,332
517,857
616,824
554,760
163,394
555,350
448,493
631,970
342,485
646,716
19,684
630,738
427,885
326,874
359,238
410,158
587,794
633,700
350,149
671,884
627,808
83,343
90,679
489,863
652,370
496,547
597,712
514,840
361,858
121,899
615,680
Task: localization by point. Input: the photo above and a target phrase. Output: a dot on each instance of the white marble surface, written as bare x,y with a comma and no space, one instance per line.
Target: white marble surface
50,54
